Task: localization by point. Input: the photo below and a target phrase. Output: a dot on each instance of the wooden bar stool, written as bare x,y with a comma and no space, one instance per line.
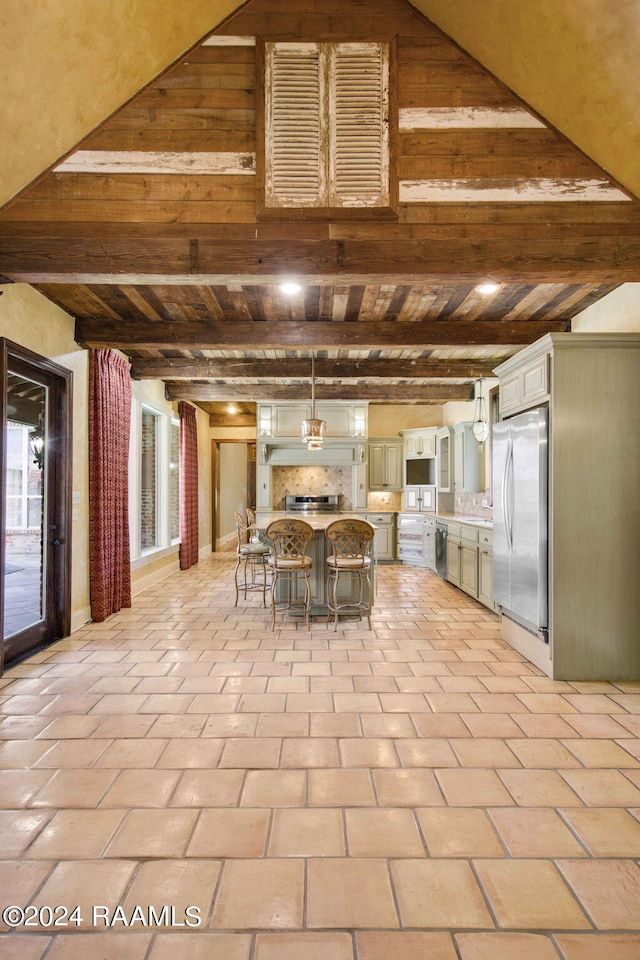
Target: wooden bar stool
350,557
290,567
252,557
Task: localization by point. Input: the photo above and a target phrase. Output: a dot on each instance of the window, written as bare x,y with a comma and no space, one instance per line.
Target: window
154,522
23,480
326,125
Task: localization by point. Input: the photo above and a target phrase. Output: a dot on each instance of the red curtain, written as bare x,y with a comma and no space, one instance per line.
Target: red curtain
188,486
109,428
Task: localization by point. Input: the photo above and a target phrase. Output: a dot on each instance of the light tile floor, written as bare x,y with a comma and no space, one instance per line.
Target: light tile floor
414,791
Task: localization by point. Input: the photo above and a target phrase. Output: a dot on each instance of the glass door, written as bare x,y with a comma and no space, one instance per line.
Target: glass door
34,547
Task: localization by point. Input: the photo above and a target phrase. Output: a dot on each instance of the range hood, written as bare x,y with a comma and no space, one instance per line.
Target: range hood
290,452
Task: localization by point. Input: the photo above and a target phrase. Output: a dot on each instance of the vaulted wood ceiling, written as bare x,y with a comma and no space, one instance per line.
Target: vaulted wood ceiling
152,235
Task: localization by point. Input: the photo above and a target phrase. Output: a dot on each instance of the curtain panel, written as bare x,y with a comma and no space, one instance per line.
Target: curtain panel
109,429
188,486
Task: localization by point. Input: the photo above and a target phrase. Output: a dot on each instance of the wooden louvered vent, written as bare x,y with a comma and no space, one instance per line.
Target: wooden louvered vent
326,125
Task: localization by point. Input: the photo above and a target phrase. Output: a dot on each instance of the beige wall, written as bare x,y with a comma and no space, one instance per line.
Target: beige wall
32,321
232,490
577,62
615,313
387,419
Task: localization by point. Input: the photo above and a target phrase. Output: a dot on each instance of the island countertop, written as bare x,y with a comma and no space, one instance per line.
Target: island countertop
317,521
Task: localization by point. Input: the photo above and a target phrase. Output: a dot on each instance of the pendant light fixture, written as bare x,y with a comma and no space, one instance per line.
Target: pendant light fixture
480,418
313,429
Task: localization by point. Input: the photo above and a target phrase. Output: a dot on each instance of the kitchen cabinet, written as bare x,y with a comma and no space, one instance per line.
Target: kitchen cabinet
468,460
469,560
344,420
384,540
385,464
420,499
409,547
420,444
429,542
591,385
453,553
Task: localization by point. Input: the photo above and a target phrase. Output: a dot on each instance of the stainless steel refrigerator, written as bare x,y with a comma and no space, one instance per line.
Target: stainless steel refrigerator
519,470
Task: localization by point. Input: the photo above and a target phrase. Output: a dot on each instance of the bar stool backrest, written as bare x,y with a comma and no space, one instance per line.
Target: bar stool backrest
241,527
350,539
289,538
251,517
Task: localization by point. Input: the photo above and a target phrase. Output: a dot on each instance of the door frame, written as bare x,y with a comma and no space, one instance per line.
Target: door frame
58,489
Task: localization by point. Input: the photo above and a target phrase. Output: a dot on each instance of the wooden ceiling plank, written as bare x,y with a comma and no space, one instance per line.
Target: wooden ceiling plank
274,334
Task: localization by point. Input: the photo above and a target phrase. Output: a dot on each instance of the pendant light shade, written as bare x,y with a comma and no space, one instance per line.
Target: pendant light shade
480,418
313,429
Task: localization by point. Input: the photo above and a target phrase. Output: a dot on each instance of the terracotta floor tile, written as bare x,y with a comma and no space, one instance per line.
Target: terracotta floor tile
484,752
473,788
358,702
204,946
620,908
581,946
153,833
181,754
107,946
407,788
498,703
17,787
439,893
530,894
336,724
273,788
603,788
130,753
20,946
384,725
70,727
208,788
178,725
310,702
304,946
64,753
545,725
404,945
606,832
307,833
283,725
451,702
141,788
119,727
459,832
539,788
230,833
540,753
535,832
383,833
505,946
86,883
601,753
309,752
260,894
491,725
434,725
340,788
368,752
17,829
597,725
349,893
258,752
75,788
75,835
423,752
231,725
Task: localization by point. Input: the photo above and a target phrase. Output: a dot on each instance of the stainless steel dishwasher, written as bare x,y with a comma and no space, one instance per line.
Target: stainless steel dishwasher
441,550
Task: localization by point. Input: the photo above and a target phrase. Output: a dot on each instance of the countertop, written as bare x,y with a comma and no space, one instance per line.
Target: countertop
318,521
484,522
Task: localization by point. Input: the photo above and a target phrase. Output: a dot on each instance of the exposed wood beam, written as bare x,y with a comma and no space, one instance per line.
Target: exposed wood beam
187,369
211,335
436,393
232,420
544,260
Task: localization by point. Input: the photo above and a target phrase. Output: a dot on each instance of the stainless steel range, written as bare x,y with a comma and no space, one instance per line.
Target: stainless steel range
323,504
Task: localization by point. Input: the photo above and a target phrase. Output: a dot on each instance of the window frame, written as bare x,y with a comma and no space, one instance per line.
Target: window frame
327,212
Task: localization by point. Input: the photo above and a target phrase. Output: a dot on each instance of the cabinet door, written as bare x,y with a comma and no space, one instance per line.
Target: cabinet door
428,445
287,418
429,548
485,578
453,562
412,499
428,499
377,465
469,569
384,543
458,461
338,419
394,466
444,462
412,448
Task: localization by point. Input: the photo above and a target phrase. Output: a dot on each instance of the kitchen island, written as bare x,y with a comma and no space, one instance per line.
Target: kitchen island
319,549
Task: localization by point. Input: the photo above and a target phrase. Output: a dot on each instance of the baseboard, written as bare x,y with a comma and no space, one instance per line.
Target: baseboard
223,541
204,552
80,619
530,646
154,576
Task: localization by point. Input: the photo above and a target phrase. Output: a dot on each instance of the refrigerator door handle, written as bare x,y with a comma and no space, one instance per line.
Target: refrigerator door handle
509,494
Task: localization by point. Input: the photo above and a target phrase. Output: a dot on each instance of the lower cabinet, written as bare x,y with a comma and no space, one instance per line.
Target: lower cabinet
470,561
384,540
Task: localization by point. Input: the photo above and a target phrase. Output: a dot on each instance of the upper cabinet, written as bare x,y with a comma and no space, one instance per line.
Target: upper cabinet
344,420
525,387
445,460
385,464
420,444
468,460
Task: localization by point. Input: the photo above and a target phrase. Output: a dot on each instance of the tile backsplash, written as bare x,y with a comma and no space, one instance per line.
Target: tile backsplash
472,504
298,481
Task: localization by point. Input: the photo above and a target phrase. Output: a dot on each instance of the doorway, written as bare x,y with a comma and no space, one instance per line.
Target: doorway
35,488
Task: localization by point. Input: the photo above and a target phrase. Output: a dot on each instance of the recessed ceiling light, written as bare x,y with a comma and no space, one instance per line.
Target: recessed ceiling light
290,288
231,408
488,287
